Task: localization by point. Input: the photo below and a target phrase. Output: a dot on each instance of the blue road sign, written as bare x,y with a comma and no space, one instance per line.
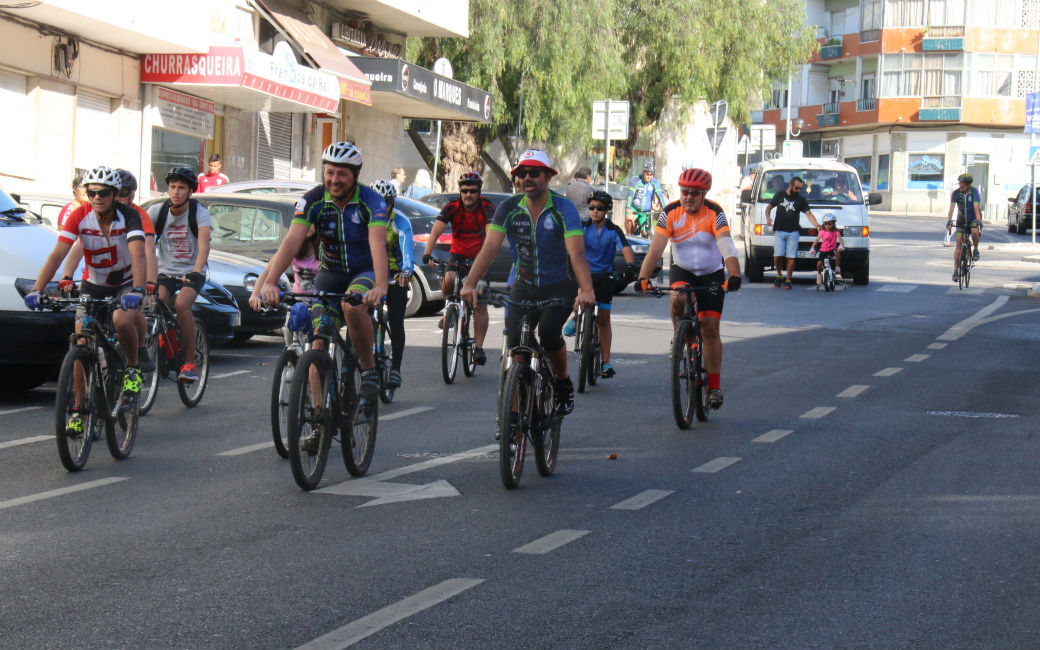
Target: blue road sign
1034,155
1033,113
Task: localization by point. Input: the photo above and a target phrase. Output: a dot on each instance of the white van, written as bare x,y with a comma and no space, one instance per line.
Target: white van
819,176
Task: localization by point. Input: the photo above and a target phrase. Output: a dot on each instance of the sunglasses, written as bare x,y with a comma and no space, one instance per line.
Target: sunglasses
101,193
691,192
524,172
469,191
597,208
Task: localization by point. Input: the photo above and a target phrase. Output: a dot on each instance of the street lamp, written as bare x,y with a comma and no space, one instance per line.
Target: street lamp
795,128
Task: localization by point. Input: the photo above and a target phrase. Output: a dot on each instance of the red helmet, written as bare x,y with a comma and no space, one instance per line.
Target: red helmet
696,179
471,178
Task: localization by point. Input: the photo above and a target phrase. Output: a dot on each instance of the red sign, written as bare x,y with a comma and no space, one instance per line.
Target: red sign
220,66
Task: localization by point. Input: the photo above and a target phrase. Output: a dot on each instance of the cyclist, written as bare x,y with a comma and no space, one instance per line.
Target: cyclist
469,217
113,242
603,239
545,237
399,248
966,200
182,226
644,194
831,245
351,222
702,253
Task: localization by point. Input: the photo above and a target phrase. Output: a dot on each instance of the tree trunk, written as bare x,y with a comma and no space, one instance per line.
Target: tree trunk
421,147
460,152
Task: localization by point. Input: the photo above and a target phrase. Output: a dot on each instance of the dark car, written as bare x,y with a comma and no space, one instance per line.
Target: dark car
1020,210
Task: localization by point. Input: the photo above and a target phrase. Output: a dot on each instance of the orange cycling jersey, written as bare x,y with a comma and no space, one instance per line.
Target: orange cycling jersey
693,237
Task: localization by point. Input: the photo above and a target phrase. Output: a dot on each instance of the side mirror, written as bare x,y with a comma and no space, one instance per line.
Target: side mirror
17,197
1011,199
745,196
873,198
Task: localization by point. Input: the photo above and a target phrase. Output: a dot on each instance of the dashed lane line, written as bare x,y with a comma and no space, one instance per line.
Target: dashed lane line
224,375
853,391
937,346
897,288
717,465
24,441
20,410
887,372
366,626
247,449
641,500
817,412
773,435
405,413
916,358
551,542
50,494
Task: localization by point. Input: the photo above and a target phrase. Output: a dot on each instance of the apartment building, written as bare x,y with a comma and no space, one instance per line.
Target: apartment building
914,92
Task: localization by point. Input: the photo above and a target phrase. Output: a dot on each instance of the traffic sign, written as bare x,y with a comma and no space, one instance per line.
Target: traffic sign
618,120
1034,155
716,136
763,136
1033,113
718,112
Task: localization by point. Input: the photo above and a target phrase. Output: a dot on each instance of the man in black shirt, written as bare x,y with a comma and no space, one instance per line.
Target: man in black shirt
788,206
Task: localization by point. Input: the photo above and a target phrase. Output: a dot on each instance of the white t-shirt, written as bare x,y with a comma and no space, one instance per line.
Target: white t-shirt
177,247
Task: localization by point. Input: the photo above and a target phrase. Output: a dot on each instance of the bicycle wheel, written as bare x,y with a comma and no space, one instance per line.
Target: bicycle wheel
449,343
191,394
701,408
596,364
828,278
967,274
74,447
585,325
514,420
359,422
545,438
150,380
466,340
384,358
281,388
311,421
121,432
683,379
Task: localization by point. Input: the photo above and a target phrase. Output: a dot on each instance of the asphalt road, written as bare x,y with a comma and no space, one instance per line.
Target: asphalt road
871,481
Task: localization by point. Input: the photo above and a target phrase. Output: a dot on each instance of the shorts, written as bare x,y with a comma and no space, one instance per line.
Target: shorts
961,228
549,321
827,255
334,282
99,291
173,283
709,303
785,244
603,285
455,258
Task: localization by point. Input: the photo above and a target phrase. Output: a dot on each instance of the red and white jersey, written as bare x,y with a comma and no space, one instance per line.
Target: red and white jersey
209,181
107,259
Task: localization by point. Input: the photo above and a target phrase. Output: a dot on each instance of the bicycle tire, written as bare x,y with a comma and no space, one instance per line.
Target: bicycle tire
306,418
121,434
682,377
513,425
74,450
585,360
596,365
967,274
449,348
281,387
357,441
150,380
384,360
546,437
469,367
191,394
700,404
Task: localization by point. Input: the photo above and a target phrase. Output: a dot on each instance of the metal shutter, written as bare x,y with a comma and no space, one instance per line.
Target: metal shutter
14,106
274,146
97,132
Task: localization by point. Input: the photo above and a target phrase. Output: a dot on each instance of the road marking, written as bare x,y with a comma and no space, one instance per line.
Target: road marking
773,435
247,449
229,374
405,413
966,325
898,288
853,391
937,346
972,414
817,412
434,462
366,626
20,410
551,542
916,358
970,291
24,441
712,466
50,494
887,372
641,500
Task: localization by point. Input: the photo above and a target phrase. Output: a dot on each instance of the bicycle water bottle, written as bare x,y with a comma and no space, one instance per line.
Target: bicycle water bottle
168,342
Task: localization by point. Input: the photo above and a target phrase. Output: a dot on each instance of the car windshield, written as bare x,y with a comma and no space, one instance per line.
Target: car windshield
412,209
821,186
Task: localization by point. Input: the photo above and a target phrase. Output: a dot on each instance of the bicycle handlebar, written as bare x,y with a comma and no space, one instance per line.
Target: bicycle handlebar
353,298
60,304
501,298
687,289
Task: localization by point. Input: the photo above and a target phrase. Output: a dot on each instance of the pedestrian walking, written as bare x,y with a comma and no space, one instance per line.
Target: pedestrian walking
579,190
788,204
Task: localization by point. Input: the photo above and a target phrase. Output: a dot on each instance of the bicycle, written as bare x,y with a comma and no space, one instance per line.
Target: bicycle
689,375
830,279
96,367
457,338
527,403
383,351
296,343
966,262
163,344
333,405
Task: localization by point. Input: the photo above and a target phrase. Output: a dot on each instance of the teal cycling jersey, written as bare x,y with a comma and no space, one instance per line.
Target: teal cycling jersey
538,244
342,234
400,246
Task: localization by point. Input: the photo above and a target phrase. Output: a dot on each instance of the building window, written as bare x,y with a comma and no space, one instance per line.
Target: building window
991,75
862,167
882,172
922,75
904,13
996,13
777,99
871,12
945,12
925,171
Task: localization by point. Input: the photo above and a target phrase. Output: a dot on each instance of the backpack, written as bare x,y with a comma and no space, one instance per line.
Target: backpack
164,212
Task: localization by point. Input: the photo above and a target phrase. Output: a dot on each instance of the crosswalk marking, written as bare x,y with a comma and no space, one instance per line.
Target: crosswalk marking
897,288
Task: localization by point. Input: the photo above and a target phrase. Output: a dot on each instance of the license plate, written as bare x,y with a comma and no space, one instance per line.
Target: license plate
806,254
236,319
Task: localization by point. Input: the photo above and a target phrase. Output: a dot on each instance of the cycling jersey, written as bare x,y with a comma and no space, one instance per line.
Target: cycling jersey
537,244
601,245
965,202
694,247
342,234
641,195
468,229
400,246
146,226
107,259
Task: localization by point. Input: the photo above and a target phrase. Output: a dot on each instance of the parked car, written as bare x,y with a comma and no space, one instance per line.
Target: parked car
263,187
1020,210
45,206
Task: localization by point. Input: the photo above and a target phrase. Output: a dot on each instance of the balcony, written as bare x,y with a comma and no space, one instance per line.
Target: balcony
831,51
940,109
869,35
439,18
866,104
945,38
828,115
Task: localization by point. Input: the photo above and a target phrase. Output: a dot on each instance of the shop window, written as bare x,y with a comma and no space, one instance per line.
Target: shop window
925,171
882,172
862,166
171,149
422,127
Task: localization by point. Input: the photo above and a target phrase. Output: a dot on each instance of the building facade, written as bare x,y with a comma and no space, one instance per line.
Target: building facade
913,93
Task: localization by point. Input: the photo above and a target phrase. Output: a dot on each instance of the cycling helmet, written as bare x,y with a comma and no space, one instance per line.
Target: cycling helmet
830,216
649,166
342,153
602,197
471,178
386,189
697,179
965,178
127,182
102,175
185,174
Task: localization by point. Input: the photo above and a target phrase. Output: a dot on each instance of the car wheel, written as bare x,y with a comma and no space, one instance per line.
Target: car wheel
415,297
861,275
241,337
752,269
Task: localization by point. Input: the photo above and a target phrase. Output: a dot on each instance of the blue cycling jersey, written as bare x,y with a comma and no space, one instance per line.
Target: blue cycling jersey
538,244
342,234
602,243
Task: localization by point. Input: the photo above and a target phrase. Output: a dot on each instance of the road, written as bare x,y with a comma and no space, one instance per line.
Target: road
871,481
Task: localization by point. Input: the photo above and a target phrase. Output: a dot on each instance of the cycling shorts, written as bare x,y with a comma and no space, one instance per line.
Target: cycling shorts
173,284
827,255
99,291
709,304
335,282
603,285
962,228
549,321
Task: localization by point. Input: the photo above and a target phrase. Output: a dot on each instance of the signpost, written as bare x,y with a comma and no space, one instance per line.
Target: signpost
1032,128
609,122
442,67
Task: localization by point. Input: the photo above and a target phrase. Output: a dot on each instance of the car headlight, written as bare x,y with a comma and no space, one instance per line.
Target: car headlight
249,281
642,249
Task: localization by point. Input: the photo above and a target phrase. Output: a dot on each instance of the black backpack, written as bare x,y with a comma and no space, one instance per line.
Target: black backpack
164,212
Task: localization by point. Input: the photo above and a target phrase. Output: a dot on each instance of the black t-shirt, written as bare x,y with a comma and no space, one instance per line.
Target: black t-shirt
786,211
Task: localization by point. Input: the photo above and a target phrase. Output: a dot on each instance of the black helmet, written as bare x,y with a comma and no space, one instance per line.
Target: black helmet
185,174
602,197
127,182
965,178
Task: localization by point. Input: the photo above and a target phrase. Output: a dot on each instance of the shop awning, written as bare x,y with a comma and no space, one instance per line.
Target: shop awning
318,48
408,90
247,79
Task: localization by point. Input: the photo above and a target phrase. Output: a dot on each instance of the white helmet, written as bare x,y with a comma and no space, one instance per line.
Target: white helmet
386,189
342,153
102,175
830,216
